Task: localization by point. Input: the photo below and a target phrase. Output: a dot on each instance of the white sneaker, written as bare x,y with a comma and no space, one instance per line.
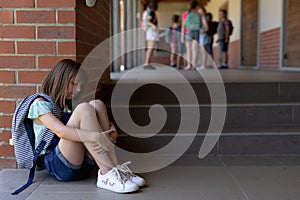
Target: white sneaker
200,67
115,181
130,175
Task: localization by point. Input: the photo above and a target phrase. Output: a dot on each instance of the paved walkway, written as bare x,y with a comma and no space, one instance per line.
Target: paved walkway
213,178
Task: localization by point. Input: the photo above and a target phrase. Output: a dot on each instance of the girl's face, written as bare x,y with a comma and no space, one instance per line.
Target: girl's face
74,88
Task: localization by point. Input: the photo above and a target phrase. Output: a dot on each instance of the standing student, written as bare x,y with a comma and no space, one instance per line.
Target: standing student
212,30
152,33
204,38
191,23
173,38
84,136
223,39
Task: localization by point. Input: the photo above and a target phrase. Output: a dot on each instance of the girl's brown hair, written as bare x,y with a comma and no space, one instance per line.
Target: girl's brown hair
57,81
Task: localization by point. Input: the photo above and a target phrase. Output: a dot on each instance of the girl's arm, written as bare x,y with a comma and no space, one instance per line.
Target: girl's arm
70,133
227,30
150,23
182,30
205,24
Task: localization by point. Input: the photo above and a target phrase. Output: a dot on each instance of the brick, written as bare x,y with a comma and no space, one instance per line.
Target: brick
51,61
56,4
57,32
7,163
6,17
36,47
5,121
7,77
16,91
7,150
66,17
67,47
7,47
5,136
17,32
270,49
7,107
17,61
24,16
32,76
17,3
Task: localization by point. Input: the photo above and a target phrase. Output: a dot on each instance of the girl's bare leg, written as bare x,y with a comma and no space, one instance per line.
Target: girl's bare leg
204,56
149,53
85,117
188,54
194,54
103,120
173,56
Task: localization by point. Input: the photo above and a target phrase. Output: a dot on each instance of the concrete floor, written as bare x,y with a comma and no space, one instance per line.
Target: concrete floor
189,178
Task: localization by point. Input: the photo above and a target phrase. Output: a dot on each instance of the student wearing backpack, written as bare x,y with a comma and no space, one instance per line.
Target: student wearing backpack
84,137
191,24
172,37
225,29
212,30
204,38
152,33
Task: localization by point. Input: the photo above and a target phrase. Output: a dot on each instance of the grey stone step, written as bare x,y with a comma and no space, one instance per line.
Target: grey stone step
236,92
228,144
239,117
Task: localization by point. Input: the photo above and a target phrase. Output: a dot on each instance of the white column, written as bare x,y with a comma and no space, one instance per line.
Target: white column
115,30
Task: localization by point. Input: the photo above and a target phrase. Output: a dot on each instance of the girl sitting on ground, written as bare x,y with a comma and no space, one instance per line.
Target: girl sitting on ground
85,140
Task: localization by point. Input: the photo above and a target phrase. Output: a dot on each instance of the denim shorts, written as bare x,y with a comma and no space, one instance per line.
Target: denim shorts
192,35
223,45
60,169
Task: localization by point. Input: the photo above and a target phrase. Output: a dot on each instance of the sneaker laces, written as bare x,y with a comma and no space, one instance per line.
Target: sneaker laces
124,169
120,176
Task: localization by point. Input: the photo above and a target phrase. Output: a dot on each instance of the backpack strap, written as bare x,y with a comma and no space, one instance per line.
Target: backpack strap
32,170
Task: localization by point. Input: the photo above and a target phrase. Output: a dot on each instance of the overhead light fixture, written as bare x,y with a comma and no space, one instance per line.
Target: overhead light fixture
90,3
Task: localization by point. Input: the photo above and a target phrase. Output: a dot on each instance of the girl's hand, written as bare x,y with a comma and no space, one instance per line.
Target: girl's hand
115,133
110,135
99,137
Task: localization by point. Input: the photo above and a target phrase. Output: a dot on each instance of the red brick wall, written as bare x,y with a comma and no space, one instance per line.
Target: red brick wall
270,49
234,54
34,36
93,26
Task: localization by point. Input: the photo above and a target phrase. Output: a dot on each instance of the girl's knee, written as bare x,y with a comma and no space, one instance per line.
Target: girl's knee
84,107
97,104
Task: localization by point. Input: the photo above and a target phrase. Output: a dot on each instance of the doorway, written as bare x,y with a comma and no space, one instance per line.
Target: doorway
291,55
249,41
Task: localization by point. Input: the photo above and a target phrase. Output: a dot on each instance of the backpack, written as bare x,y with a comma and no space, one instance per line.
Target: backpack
193,21
24,139
212,28
145,16
230,26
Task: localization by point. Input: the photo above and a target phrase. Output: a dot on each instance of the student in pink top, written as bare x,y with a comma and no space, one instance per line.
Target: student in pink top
191,37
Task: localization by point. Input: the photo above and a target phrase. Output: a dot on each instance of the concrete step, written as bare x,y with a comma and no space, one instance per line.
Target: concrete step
235,93
242,143
239,117
240,87
249,129
262,117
